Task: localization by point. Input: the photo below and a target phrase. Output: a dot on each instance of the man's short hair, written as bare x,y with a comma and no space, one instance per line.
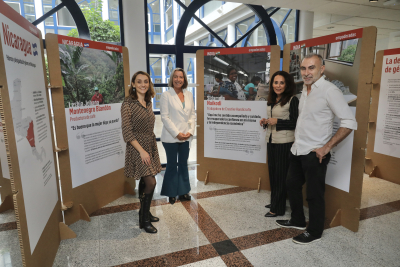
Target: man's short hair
218,76
315,55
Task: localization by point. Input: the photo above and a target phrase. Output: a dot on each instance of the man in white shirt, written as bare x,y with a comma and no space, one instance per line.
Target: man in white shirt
310,154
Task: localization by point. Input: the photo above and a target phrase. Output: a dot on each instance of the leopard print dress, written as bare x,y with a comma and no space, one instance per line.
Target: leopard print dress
138,124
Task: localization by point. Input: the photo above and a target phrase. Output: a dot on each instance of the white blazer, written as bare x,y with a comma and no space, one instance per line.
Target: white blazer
175,118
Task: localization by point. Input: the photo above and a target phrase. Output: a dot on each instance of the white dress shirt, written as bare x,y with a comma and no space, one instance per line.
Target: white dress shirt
316,113
175,118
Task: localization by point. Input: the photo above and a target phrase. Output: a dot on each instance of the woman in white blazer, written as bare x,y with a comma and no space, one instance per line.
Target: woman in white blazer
178,117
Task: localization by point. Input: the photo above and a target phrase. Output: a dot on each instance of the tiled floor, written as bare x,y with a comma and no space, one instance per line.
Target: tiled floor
222,226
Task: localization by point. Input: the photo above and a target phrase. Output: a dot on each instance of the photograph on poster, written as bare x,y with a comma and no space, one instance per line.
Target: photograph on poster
93,82
91,75
341,53
235,94
237,76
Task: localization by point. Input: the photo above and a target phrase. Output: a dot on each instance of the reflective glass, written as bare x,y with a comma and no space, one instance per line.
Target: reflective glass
113,4
30,18
15,6
210,7
29,8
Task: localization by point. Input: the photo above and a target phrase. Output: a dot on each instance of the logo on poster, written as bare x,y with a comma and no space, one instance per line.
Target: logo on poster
86,44
296,47
35,52
16,41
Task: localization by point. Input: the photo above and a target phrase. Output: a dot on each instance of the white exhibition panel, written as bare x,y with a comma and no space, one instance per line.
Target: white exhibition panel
95,142
27,91
232,130
387,136
339,168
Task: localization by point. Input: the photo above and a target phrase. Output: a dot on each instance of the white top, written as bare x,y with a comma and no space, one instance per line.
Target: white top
316,113
241,94
176,118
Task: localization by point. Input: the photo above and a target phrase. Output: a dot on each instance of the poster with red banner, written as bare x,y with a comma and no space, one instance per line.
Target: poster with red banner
93,86
23,61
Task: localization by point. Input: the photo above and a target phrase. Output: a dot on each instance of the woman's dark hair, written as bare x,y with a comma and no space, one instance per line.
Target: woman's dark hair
218,76
229,70
150,92
255,78
290,88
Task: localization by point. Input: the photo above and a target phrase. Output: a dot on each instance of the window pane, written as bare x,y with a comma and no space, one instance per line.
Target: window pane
157,39
156,18
155,65
154,5
289,27
47,2
113,4
168,18
65,18
157,28
169,35
335,49
63,32
30,18
29,8
211,6
49,21
114,15
46,9
49,30
203,42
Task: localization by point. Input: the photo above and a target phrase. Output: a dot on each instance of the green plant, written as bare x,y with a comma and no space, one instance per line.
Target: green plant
100,30
348,54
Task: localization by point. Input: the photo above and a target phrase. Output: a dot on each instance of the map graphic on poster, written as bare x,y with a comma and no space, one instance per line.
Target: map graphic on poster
24,127
387,137
92,98
236,85
27,93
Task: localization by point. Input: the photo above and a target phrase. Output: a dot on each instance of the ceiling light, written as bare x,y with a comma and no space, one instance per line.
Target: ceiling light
373,1
221,61
331,27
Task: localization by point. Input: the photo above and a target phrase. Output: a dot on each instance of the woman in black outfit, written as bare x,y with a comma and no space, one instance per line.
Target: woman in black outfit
283,110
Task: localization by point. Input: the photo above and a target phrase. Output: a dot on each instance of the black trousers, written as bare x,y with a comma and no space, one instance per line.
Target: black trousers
278,164
306,168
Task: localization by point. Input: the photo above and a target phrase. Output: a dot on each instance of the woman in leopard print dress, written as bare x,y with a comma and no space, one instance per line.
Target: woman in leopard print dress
141,159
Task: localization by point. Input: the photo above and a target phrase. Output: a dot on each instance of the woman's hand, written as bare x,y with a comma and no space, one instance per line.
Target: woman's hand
181,136
145,157
263,121
272,121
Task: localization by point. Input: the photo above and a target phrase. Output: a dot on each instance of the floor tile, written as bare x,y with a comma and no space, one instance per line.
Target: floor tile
122,241
214,262
82,250
378,191
7,216
242,213
10,253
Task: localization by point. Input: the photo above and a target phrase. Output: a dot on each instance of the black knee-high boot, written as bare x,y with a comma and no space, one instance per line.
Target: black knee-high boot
142,185
144,217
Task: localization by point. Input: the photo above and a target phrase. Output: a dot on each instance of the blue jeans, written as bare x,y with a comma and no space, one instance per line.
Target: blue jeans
225,91
176,177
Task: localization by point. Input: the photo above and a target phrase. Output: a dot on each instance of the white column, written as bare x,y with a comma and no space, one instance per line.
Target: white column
231,33
196,43
104,10
135,34
306,25
39,13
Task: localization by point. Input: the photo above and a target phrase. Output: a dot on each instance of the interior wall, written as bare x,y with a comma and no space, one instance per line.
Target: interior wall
135,34
345,74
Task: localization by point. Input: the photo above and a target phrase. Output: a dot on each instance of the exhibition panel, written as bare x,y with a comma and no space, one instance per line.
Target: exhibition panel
349,59
231,144
89,81
25,114
383,148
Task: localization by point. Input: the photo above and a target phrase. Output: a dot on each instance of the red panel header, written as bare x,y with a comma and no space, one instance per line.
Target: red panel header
333,38
13,15
88,44
390,52
239,50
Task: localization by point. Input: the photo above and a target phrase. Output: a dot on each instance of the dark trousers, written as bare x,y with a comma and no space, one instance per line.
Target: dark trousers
306,168
278,164
176,177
